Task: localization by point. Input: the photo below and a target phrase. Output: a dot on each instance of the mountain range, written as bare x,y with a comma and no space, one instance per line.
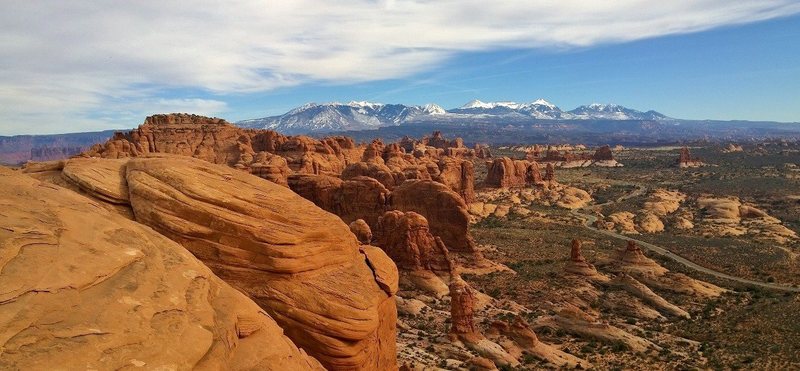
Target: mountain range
354,116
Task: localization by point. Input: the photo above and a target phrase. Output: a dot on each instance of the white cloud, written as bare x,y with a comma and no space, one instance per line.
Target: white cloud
67,63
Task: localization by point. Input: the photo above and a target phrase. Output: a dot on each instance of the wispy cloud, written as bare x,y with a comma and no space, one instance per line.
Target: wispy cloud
70,66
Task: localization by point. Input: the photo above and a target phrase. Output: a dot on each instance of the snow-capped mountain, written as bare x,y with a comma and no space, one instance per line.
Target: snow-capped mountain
596,111
540,109
334,117
330,117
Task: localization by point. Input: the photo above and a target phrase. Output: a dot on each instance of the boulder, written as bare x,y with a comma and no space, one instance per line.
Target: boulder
361,229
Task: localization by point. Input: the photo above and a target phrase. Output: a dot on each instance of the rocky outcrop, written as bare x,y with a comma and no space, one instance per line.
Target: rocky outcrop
84,288
361,230
603,154
217,141
356,198
462,307
686,160
575,321
632,259
464,329
577,264
459,175
406,238
507,173
102,179
523,337
301,264
445,211
639,290
482,151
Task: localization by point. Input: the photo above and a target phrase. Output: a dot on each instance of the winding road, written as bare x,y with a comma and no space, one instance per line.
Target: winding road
590,219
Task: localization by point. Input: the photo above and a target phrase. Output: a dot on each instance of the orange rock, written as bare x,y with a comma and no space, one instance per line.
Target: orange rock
362,231
301,264
507,173
84,288
462,307
444,209
356,198
577,264
407,240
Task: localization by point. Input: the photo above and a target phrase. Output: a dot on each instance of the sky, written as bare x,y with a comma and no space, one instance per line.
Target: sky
85,66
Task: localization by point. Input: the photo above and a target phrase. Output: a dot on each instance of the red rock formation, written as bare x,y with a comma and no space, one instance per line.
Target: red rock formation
549,173
507,173
482,151
459,175
603,154
577,264
352,199
301,264
633,259
685,159
445,211
362,231
219,142
462,308
406,238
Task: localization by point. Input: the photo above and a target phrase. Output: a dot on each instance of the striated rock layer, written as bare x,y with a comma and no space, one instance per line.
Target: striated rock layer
303,267
84,288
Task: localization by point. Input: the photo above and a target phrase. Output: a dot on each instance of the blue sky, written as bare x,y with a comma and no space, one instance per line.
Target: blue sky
749,72
79,66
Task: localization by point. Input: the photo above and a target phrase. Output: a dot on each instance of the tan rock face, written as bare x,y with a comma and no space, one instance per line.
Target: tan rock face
84,288
507,173
445,211
406,238
298,262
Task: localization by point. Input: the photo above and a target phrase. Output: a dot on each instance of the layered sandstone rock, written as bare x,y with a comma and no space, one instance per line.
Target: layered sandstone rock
507,173
577,264
575,321
444,209
463,328
406,238
217,141
84,288
356,198
526,340
459,175
632,259
636,288
298,262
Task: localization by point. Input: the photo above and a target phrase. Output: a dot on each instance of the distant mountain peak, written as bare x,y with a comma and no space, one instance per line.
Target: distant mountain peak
542,102
365,115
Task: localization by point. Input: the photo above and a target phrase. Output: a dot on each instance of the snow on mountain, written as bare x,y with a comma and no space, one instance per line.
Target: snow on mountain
597,111
335,116
361,115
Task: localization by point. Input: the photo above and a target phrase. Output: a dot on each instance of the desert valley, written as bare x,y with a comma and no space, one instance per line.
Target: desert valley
193,243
